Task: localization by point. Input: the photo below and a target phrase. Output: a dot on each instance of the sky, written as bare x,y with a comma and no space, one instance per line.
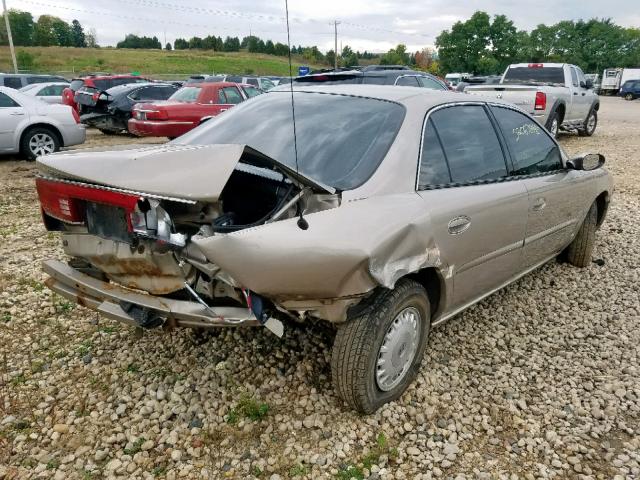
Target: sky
373,25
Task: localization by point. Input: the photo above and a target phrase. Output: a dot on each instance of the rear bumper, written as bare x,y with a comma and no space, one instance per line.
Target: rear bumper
106,299
159,128
74,135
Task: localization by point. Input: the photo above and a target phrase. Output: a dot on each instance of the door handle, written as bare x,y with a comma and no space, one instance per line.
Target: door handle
16,114
539,204
583,94
459,225
575,93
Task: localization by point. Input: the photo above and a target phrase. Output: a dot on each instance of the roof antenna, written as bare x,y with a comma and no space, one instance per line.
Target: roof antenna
302,223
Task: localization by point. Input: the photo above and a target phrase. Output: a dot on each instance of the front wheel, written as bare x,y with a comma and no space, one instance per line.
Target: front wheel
377,354
579,251
628,96
589,125
38,141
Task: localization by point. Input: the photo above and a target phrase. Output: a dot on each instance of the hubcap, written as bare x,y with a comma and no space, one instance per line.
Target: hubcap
554,128
591,124
398,349
41,144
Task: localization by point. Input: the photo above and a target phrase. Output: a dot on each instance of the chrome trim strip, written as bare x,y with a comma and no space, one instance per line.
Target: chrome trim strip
490,256
548,231
119,190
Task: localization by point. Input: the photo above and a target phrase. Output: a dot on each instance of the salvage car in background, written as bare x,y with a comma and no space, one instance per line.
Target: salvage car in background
630,90
402,77
47,92
111,110
31,127
557,95
381,219
187,108
19,80
93,85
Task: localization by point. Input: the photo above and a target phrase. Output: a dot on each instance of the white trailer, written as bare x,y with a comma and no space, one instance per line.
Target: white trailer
614,78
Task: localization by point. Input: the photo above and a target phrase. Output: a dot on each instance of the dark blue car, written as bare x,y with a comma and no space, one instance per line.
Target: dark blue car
630,89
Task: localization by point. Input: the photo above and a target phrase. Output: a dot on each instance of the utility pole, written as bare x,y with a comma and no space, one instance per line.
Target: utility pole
13,52
335,30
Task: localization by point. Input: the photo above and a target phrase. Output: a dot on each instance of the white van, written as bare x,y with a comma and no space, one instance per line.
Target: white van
453,79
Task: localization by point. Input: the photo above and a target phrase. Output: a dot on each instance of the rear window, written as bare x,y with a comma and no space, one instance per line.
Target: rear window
330,79
341,139
76,84
13,82
535,75
186,94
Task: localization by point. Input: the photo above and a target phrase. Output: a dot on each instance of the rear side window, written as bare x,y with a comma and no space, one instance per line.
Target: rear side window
470,143
6,101
186,94
234,79
232,94
433,163
427,82
407,82
531,148
13,82
252,81
251,92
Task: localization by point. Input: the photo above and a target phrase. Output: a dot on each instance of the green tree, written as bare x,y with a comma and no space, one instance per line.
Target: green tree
77,35
330,58
269,47
63,32
22,28
168,46
396,56
44,35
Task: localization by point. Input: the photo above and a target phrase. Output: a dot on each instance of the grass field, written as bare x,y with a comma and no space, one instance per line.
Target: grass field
69,61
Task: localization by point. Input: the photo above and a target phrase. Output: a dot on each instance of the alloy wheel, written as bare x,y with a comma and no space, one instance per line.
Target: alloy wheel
42,144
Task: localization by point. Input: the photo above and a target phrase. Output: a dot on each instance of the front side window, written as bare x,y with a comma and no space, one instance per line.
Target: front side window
267,84
433,163
531,148
186,94
574,77
6,101
251,92
252,81
341,139
233,95
470,143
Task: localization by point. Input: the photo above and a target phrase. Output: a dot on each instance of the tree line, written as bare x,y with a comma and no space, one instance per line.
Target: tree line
482,45
47,31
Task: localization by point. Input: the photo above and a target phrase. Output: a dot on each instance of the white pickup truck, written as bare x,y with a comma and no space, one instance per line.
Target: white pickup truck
557,95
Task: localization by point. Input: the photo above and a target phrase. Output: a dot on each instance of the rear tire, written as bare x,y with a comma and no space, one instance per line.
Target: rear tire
579,251
628,96
589,125
377,354
39,141
553,124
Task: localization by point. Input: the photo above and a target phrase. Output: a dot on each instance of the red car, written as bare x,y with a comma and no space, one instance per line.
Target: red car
95,84
187,108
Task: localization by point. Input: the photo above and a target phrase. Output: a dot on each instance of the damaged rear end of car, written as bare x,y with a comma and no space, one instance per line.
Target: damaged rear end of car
128,229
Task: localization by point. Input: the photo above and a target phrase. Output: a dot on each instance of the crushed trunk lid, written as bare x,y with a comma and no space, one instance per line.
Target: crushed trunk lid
194,172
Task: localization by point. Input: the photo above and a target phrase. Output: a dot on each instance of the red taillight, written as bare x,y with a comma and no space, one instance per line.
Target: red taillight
536,65
65,201
95,96
541,101
75,114
157,115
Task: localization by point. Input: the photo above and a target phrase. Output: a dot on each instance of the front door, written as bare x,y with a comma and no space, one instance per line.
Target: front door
11,114
553,214
478,218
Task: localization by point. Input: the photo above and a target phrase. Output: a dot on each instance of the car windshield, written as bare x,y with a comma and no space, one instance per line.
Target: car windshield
186,94
341,140
535,75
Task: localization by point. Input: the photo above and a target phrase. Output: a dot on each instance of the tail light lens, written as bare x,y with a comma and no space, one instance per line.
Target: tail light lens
75,114
65,201
536,65
157,115
541,101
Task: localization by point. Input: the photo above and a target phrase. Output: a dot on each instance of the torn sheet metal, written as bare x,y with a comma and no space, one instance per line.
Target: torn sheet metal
346,251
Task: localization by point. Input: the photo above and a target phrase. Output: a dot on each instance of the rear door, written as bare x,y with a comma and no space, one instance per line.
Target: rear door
556,195
478,217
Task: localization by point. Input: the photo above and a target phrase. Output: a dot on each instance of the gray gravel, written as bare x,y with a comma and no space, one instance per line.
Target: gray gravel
538,381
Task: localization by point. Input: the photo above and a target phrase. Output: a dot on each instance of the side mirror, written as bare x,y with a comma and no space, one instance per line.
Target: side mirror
588,84
586,162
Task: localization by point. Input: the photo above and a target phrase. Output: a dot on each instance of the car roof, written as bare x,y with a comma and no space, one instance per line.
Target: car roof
526,65
408,96
213,84
131,86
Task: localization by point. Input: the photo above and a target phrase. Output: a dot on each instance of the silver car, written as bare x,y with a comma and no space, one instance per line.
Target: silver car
31,127
47,92
393,209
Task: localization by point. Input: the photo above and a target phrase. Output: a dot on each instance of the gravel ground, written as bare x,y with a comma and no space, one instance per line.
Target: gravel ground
538,381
